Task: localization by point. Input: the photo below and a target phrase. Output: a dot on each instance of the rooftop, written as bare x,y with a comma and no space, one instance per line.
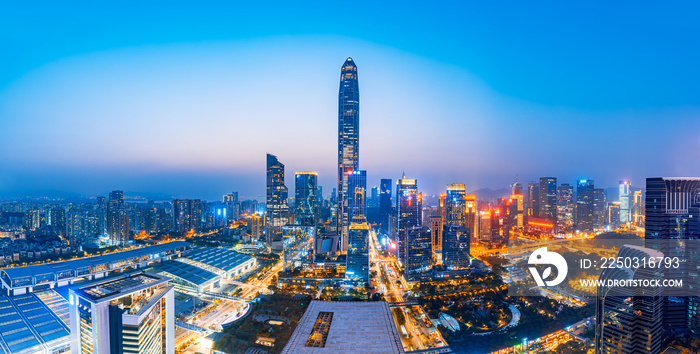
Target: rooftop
56,267
220,258
122,285
345,327
188,272
27,325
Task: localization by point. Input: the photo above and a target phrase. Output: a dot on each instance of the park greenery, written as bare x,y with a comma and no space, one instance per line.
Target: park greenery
242,334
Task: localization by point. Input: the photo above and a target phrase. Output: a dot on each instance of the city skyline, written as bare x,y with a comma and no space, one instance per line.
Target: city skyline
179,115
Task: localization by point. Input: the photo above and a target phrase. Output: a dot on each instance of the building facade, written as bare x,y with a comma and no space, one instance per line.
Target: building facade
409,210
348,140
357,261
130,314
585,218
277,207
305,198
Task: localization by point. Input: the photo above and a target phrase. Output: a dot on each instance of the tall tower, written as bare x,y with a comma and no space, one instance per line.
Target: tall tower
625,192
548,199
585,211
409,209
305,198
117,219
348,141
455,204
384,204
277,197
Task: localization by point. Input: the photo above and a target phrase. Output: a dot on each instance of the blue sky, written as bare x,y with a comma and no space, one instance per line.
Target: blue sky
185,99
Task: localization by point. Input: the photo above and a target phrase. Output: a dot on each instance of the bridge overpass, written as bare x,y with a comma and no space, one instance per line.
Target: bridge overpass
190,327
403,304
227,297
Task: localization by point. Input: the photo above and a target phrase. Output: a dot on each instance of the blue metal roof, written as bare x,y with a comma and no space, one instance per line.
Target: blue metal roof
26,323
51,268
221,258
188,272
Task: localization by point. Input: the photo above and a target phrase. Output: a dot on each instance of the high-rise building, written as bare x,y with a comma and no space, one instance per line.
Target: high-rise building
348,140
630,319
471,216
548,199
485,226
612,218
357,260
599,207
625,206
565,208
638,209
456,243
187,215
277,207
533,199
384,204
233,207
305,198
409,208
230,197
585,218
374,198
117,219
516,188
455,204
356,197
436,225
132,313
418,254
672,211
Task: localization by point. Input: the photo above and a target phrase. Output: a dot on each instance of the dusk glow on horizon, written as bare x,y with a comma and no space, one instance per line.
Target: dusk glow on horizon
131,100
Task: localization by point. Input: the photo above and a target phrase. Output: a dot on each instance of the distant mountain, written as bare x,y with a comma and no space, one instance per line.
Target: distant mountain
488,194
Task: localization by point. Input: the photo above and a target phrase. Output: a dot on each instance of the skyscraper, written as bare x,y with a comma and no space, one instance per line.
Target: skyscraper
187,215
548,199
638,209
117,219
419,254
599,207
471,217
132,313
630,319
356,197
565,208
357,266
409,207
672,208
625,191
277,199
348,140
384,204
585,212
305,198
374,198
533,199
455,204
456,243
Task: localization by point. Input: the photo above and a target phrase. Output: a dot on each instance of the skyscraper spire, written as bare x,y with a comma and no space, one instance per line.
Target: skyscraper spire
348,141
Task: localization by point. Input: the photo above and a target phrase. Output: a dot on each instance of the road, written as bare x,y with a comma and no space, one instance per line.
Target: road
226,309
417,323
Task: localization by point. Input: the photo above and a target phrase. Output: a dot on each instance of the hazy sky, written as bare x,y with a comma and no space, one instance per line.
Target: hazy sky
186,100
